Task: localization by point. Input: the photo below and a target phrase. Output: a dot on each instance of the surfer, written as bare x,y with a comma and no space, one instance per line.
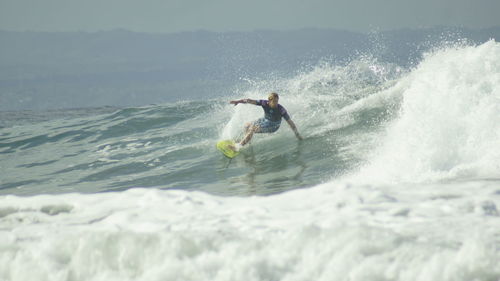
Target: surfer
273,112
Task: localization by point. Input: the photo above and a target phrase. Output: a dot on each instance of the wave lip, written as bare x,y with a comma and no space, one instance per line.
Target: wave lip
449,121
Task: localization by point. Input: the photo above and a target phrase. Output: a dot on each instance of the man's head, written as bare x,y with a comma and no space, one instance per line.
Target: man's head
273,99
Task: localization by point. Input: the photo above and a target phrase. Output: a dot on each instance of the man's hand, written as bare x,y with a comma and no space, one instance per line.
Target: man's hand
235,102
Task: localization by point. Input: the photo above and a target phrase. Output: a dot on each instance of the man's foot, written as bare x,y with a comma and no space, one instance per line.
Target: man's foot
235,147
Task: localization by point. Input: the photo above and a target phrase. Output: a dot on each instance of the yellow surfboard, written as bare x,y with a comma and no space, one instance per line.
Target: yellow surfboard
225,146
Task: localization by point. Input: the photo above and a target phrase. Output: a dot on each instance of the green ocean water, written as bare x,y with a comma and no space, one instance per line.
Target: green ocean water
168,146
172,146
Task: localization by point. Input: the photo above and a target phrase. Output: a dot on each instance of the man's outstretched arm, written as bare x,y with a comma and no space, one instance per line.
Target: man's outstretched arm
235,102
294,128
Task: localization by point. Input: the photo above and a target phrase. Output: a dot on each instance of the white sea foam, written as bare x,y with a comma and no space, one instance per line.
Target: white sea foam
331,232
449,123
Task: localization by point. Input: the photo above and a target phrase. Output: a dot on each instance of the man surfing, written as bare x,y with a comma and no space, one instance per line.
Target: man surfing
273,112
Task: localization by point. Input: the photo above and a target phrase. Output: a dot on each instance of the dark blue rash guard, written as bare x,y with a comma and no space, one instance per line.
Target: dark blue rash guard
272,117
273,114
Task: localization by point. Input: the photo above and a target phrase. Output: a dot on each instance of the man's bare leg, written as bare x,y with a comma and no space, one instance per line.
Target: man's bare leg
249,135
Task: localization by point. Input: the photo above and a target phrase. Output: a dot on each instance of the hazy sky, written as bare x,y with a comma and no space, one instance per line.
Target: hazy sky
237,15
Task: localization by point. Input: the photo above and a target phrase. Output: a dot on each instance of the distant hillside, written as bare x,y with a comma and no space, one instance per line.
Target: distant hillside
40,70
